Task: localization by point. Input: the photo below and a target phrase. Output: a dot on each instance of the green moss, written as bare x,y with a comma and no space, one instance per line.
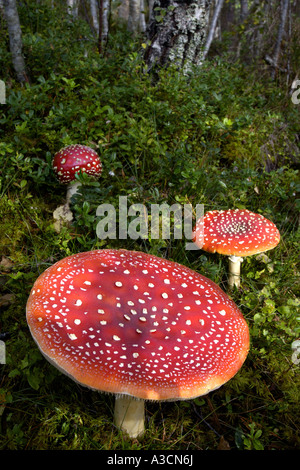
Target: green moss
209,140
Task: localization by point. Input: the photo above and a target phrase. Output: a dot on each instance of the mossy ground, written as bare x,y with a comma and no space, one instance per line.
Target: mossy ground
198,140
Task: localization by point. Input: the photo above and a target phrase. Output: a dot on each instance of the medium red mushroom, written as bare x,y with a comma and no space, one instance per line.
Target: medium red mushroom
235,233
136,325
72,159
66,163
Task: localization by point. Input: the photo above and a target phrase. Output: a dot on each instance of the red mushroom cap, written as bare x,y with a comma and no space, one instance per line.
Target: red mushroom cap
131,323
235,232
74,158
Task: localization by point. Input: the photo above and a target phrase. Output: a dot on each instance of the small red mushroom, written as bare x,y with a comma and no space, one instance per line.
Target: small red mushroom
235,233
138,326
66,163
74,158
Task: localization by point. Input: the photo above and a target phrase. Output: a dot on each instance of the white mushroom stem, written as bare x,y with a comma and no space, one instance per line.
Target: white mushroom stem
72,189
63,214
234,278
130,415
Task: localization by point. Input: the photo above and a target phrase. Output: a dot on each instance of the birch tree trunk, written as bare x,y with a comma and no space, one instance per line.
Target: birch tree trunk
244,10
142,22
73,7
105,19
284,12
104,11
15,39
123,10
134,15
212,27
95,15
150,7
177,33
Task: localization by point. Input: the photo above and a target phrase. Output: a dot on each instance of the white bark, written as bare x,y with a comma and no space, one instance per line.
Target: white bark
134,16
95,15
177,33
132,12
244,10
105,19
15,39
212,28
151,11
284,11
103,14
123,11
142,20
73,7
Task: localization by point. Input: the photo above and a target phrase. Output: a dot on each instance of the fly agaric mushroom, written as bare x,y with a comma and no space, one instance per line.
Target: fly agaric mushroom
235,233
72,159
138,326
66,163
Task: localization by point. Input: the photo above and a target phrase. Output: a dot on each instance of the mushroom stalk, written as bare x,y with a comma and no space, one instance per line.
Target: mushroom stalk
235,233
63,214
129,415
66,163
72,189
234,278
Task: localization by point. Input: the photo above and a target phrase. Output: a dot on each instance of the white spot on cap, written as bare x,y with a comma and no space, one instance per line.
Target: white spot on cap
72,336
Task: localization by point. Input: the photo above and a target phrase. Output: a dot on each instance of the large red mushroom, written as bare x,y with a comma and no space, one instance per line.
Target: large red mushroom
236,233
136,325
66,163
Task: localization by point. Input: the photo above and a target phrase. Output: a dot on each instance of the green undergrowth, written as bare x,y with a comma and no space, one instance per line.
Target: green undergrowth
221,137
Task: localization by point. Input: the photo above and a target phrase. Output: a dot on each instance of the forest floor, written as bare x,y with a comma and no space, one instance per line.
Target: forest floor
226,137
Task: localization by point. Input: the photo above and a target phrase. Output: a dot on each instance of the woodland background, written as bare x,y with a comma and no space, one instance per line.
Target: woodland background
189,102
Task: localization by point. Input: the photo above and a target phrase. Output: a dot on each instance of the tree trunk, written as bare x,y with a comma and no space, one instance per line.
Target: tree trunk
142,23
104,11
150,7
134,16
244,10
95,15
123,10
284,12
73,7
177,33
105,19
212,27
15,39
